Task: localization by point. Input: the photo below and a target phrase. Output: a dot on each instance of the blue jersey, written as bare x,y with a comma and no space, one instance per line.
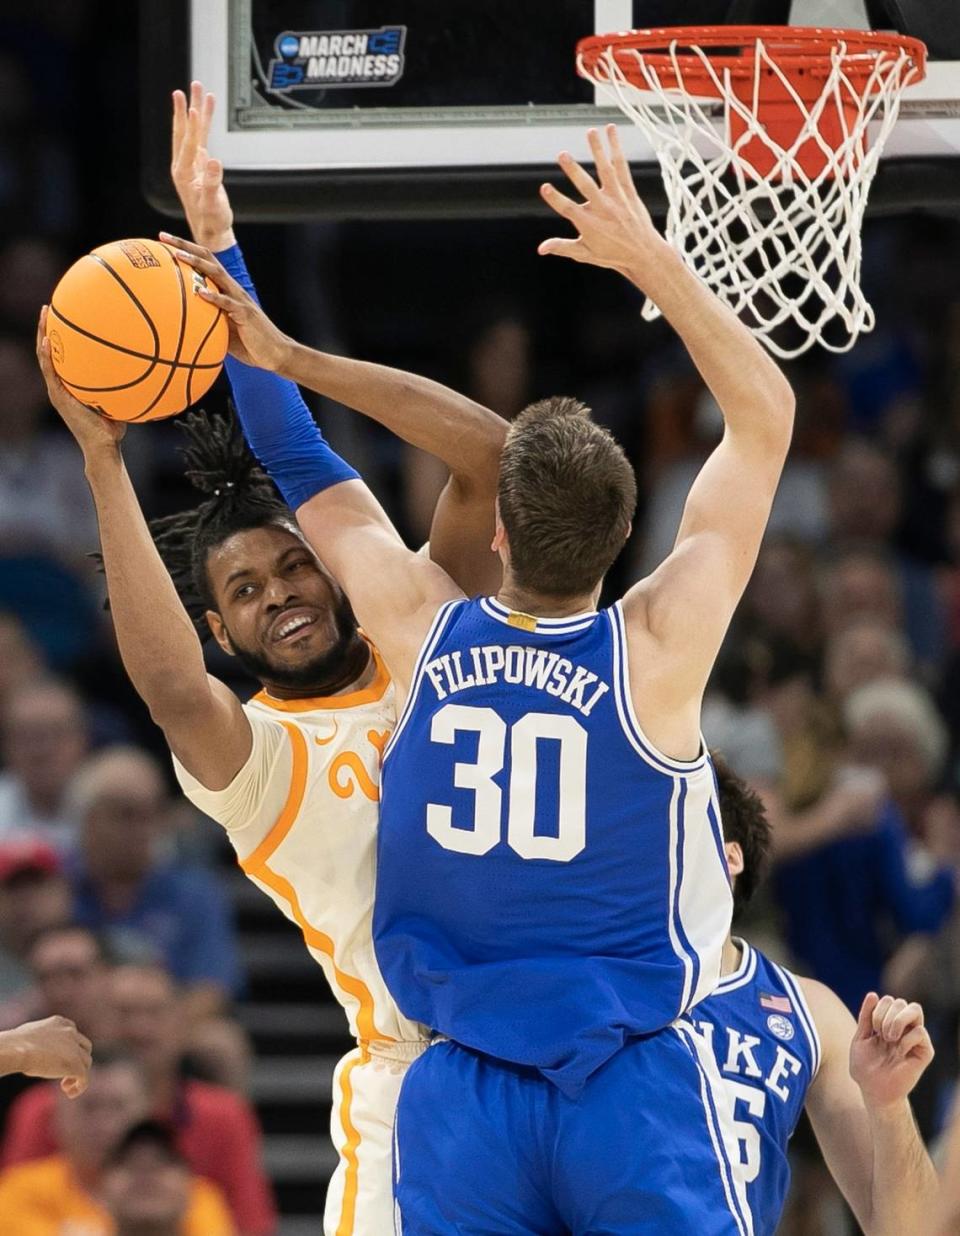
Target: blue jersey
763,1036
548,884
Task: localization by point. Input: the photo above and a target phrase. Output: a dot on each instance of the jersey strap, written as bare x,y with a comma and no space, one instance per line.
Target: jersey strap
628,720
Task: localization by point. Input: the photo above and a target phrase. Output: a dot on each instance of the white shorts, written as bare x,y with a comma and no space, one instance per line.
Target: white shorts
366,1086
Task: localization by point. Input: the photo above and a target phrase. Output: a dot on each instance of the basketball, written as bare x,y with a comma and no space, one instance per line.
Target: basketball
130,336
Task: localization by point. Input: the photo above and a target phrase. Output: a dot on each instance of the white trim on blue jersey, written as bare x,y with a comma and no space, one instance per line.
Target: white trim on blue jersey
743,974
437,628
628,719
718,1111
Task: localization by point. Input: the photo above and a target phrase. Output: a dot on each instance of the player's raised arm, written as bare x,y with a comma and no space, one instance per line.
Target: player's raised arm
861,1114
687,604
395,592
463,434
201,719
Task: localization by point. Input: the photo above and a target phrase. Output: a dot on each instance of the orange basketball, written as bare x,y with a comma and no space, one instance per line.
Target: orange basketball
129,334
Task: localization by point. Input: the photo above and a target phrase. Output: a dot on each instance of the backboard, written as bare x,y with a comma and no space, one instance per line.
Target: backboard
373,108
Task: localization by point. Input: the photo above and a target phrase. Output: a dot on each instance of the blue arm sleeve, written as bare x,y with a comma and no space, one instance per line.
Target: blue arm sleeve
277,423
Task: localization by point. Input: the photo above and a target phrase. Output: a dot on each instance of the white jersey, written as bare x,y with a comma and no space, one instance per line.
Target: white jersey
302,815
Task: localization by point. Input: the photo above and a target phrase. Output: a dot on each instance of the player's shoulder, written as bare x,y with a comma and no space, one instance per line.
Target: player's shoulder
823,1001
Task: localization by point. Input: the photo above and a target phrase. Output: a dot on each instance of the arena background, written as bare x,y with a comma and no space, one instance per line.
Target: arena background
845,654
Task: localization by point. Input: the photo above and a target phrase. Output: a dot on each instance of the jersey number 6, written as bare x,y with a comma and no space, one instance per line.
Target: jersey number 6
485,832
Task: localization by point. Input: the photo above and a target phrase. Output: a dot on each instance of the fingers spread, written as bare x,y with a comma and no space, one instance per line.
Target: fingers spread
185,246
206,116
179,124
559,202
601,159
621,167
226,303
582,181
561,248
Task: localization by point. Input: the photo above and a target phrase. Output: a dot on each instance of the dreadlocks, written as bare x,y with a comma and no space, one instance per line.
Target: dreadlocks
240,497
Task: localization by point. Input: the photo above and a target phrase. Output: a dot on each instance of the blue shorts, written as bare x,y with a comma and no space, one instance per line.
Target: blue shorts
485,1148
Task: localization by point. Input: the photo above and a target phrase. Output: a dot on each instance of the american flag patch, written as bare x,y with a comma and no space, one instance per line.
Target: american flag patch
779,1004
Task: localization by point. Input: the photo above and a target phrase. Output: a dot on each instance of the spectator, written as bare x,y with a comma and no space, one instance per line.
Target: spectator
43,737
62,1192
859,655
860,585
34,896
799,511
30,267
782,600
21,661
149,1190
850,902
217,1131
70,974
865,509
895,727
124,885
44,501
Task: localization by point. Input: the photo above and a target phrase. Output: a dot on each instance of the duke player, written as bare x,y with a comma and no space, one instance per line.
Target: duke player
784,1044
552,890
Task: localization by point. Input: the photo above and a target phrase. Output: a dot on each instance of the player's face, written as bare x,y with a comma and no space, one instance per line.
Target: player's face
280,613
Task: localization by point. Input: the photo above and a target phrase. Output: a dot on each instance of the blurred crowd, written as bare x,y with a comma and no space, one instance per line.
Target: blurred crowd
836,694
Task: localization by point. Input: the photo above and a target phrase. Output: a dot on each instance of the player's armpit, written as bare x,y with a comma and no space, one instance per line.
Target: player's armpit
208,732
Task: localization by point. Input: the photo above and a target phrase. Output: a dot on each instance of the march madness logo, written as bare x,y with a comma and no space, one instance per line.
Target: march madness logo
329,58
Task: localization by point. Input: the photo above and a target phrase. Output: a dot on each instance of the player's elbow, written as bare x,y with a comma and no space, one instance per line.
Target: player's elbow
168,702
780,408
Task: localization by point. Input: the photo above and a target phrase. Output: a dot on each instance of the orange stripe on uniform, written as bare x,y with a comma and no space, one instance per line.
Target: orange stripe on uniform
256,865
351,1184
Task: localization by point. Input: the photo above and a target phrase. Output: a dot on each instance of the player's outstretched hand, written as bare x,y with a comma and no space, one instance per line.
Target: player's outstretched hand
52,1048
890,1050
614,226
90,428
253,337
197,178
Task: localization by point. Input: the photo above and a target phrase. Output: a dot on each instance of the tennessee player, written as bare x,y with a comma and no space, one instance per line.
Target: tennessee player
292,775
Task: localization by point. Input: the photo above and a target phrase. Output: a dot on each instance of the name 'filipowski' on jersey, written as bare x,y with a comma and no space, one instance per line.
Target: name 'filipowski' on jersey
549,884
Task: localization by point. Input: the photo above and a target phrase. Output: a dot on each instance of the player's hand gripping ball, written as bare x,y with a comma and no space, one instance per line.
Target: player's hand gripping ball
130,336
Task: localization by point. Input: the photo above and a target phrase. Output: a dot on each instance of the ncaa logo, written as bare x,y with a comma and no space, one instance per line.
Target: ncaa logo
780,1026
289,46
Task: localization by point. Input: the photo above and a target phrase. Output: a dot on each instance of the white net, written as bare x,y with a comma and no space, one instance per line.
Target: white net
781,245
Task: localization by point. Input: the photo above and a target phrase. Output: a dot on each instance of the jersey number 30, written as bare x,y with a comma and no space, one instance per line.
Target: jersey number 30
484,833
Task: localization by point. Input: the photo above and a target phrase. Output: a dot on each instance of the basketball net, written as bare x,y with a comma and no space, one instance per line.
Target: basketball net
766,206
